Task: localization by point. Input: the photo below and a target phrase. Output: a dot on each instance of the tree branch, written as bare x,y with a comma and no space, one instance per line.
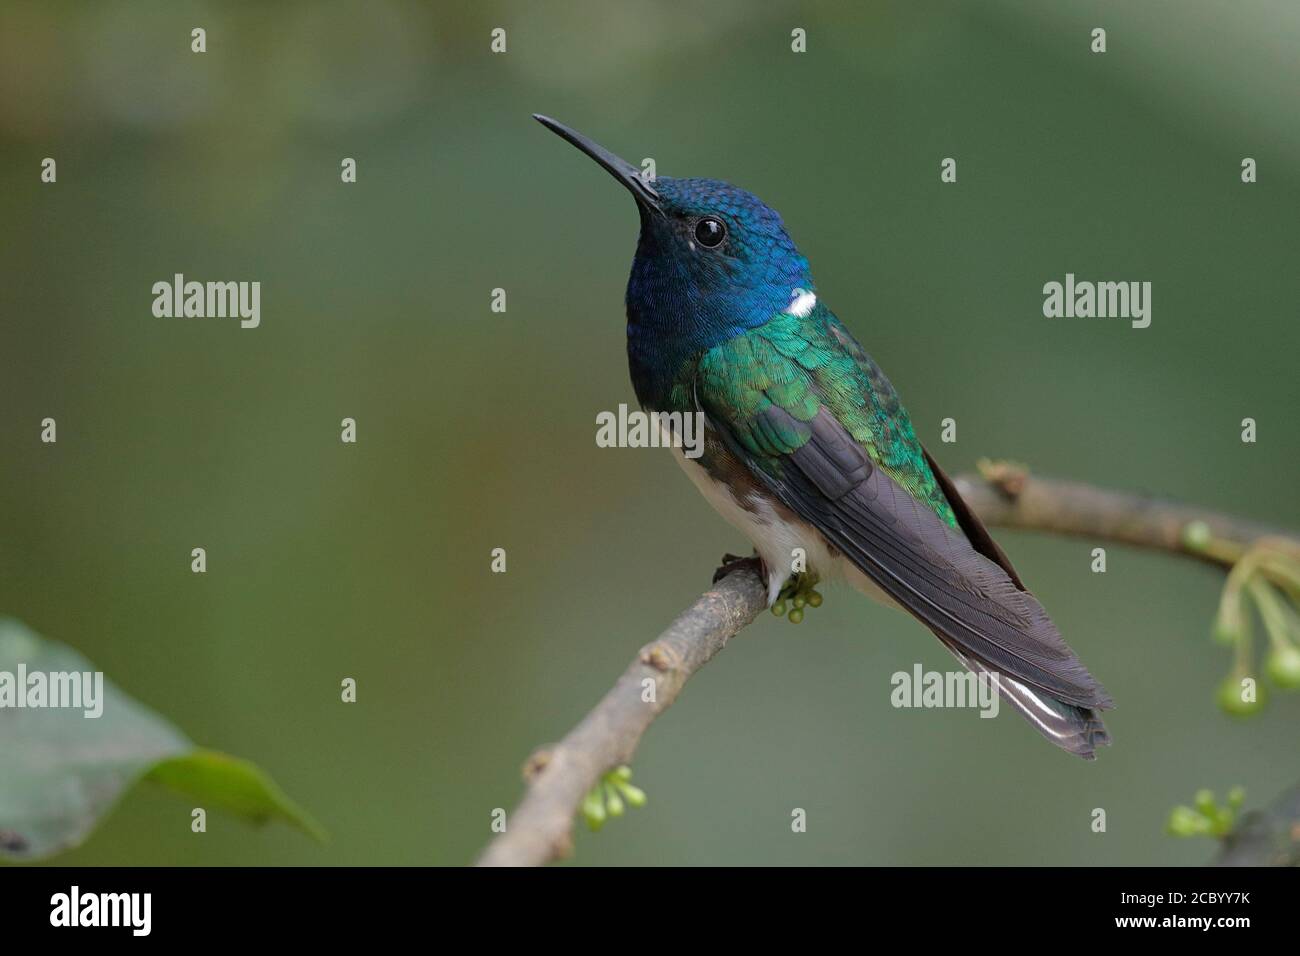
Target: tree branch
540,829
1007,496
559,777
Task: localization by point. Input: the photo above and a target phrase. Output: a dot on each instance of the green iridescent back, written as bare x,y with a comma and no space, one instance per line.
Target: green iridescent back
802,364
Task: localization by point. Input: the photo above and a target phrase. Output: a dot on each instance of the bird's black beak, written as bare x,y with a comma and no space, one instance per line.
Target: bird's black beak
620,169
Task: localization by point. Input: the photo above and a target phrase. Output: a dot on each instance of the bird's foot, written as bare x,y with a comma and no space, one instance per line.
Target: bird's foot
731,562
799,592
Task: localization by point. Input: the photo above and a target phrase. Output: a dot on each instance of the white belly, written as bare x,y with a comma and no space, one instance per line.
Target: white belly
776,537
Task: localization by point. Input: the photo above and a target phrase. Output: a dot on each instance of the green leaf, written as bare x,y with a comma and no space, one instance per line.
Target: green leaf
234,785
62,771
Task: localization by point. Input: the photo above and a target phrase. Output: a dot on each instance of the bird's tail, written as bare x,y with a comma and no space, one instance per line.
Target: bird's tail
1071,727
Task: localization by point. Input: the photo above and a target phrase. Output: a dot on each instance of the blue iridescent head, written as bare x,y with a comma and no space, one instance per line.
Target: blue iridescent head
712,260
717,253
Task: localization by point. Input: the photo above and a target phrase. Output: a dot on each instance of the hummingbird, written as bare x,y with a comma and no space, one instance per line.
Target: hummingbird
807,449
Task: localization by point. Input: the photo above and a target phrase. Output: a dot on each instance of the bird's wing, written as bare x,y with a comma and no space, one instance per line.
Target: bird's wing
967,520
817,422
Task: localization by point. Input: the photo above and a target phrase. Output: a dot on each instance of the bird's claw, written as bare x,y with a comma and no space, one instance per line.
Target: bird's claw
731,562
800,591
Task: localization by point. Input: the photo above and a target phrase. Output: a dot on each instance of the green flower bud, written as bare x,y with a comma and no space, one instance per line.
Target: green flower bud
1230,622
634,796
778,608
814,599
1283,667
1186,822
796,615
593,808
613,802
1221,821
1196,535
1230,700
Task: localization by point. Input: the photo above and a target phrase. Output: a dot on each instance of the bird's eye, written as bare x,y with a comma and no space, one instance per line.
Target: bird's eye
709,232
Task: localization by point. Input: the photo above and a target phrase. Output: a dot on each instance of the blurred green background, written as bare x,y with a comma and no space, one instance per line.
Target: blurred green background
476,430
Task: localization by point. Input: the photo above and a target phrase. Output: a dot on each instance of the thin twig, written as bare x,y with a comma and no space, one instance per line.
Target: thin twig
540,829
1009,498
559,777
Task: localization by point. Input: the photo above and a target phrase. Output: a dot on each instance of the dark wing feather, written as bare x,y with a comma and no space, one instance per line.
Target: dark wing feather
971,600
927,566
970,523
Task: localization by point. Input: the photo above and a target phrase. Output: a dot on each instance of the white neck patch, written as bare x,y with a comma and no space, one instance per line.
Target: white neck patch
801,305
